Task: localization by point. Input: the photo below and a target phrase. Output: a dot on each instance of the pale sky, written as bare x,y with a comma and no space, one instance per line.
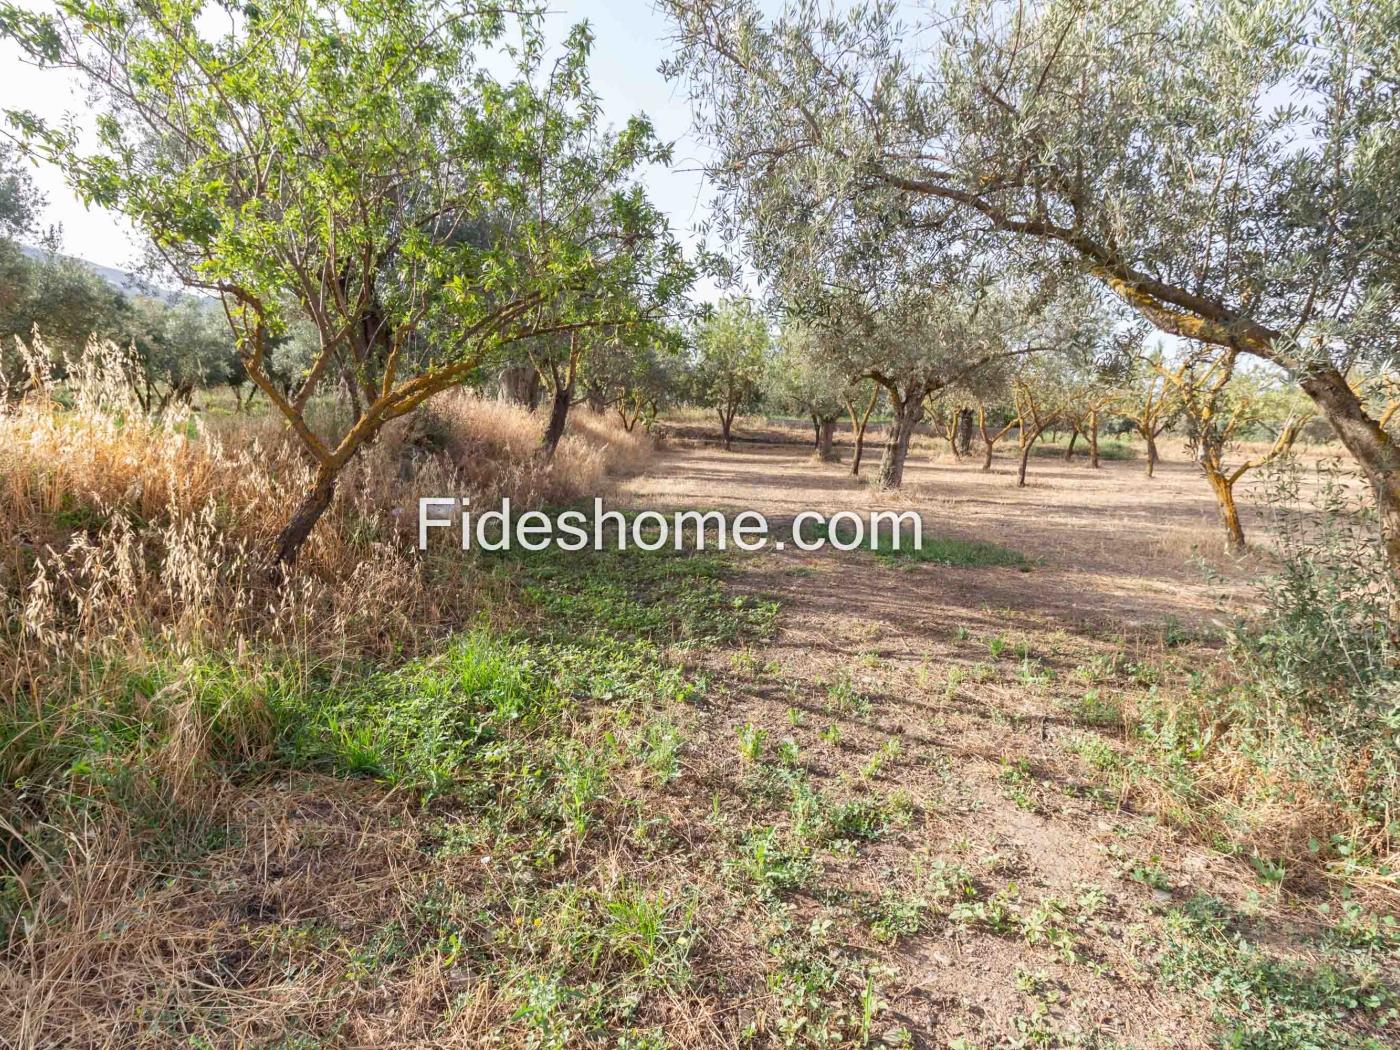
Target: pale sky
629,44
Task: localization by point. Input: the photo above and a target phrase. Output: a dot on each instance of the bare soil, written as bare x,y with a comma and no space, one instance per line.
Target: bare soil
1119,562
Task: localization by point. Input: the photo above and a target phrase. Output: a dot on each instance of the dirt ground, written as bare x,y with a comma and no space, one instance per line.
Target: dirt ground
1111,546
981,743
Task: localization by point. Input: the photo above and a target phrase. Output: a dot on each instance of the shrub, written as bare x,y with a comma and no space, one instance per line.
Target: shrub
1319,660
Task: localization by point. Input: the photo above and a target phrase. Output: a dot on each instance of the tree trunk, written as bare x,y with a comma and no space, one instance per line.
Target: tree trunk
907,414
987,459
1373,449
816,432
1026,447
726,420
964,431
860,449
1224,490
1152,456
1094,439
289,541
558,419
520,384
826,433
1069,449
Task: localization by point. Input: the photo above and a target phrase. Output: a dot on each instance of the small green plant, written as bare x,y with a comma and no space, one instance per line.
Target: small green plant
788,752
893,915
751,742
1020,785
843,696
1097,708
1150,874
766,860
956,677
888,753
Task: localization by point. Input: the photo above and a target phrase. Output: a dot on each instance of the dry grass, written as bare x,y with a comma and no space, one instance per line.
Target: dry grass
133,576
180,883
122,525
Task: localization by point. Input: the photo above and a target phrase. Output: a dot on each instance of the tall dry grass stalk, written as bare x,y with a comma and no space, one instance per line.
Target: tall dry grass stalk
134,563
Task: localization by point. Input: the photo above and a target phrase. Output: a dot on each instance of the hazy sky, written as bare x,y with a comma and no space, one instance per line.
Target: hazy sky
630,41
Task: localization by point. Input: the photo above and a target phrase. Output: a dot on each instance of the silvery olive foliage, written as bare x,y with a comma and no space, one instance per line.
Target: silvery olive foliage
1223,169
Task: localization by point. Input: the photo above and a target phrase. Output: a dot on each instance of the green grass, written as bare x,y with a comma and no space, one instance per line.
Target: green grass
664,597
1262,1002
937,550
1111,449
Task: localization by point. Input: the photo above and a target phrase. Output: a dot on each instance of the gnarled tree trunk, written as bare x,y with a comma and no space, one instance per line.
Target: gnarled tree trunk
1152,456
1371,446
907,413
964,432
826,433
520,384
1224,488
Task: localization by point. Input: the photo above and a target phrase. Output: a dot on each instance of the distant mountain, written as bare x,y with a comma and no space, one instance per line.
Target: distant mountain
122,280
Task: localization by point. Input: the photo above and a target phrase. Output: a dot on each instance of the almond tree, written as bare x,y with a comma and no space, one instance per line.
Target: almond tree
366,168
1144,144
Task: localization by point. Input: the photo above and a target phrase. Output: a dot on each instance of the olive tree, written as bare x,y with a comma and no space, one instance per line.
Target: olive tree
1145,144
421,181
1148,400
803,376
1219,407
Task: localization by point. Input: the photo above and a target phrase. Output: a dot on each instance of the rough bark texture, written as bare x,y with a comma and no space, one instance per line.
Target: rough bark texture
521,384
558,420
826,434
1094,440
315,503
964,431
1152,456
1069,449
1224,490
1371,446
907,414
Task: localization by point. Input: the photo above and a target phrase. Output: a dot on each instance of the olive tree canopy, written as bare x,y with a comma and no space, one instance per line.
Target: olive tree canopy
1226,170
